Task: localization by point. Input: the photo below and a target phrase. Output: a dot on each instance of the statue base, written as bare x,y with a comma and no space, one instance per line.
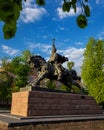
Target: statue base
44,103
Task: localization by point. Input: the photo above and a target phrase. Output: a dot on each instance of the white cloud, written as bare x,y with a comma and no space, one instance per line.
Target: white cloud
61,28
10,51
63,15
101,35
40,46
45,36
54,19
31,12
97,1
79,43
75,55
100,2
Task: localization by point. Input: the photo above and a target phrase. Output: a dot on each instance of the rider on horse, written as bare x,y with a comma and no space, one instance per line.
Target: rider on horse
57,60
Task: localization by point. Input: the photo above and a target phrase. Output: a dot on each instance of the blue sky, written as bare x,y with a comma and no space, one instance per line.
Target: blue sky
37,26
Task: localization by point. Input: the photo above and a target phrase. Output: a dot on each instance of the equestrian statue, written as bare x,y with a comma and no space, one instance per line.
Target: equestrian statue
53,70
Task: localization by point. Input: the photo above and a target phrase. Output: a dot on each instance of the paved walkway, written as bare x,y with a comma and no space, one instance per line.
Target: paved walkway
11,120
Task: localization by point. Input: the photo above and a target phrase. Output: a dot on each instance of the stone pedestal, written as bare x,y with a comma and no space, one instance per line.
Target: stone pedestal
41,103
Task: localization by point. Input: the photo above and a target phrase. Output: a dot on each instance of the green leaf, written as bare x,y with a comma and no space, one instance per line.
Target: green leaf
40,2
5,12
81,21
74,7
17,9
87,10
9,30
9,15
66,6
74,2
86,0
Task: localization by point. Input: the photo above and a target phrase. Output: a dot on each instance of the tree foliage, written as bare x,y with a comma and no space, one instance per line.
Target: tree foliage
70,65
21,72
5,86
93,69
6,81
10,12
65,88
20,68
14,75
51,84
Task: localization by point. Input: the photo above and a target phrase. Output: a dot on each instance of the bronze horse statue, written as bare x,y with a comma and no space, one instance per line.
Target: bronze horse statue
47,70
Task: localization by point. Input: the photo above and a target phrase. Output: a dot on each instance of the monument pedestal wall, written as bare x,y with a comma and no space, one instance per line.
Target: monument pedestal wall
39,103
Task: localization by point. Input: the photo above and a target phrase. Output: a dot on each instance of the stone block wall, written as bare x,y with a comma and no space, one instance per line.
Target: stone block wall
38,103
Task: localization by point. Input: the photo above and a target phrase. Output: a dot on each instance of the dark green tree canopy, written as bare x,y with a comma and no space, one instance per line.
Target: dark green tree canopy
10,12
